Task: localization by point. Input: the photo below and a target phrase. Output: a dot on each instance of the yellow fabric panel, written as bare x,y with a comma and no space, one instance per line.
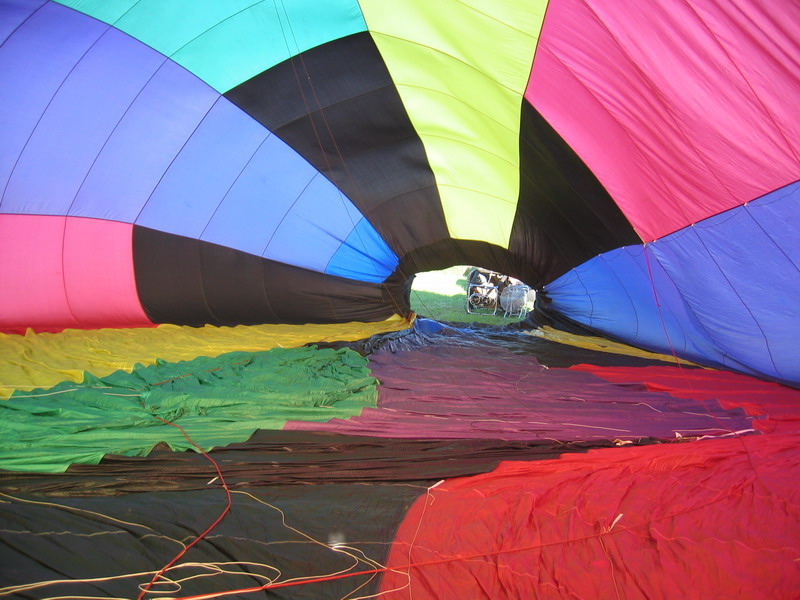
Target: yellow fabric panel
461,68
601,345
41,360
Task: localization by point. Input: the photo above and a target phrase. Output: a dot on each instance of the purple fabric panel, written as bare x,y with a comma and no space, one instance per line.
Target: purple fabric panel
75,128
452,392
34,62
13,13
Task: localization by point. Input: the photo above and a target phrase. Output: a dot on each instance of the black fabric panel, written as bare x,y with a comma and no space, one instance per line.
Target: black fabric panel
564,216
338,107
130,515
190,282
234,286
169,278
294,457
301,296
276,533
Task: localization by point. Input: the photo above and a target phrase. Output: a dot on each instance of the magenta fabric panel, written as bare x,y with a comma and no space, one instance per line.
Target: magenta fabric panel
92,285
460,392
681,109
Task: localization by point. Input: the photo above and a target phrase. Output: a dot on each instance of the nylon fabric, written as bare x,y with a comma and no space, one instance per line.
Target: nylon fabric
190,282
275,457
51,272
337,106
350,259
700,120
564,216
774,405
48,43
127,135
43,360
720,293
600,344
220,400
739,274
276,533
613,294
665,521
75,126
228,43
285,485
461,69
488,392
13,13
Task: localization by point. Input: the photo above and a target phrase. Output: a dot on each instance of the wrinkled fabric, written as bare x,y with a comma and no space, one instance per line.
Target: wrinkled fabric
218,400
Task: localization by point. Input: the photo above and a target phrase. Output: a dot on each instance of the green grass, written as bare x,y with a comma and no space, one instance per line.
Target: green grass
442,295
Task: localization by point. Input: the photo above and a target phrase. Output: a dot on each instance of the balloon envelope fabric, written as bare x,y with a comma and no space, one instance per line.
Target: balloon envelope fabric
218,179
297,162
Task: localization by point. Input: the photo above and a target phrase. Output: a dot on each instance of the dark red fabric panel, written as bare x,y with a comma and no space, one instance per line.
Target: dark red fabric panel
488,392
777,406
713,519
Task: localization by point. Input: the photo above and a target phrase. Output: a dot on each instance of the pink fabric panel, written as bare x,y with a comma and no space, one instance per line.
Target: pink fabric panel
98,269
31,277
681,109
58,272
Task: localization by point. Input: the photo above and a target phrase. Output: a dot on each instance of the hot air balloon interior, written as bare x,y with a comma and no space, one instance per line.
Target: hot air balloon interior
212,382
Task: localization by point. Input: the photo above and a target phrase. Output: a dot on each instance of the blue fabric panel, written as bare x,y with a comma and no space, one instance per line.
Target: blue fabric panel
727,290
363,256
13,13
78,122
281,208
48,45
317,224
82,119
202,173
144,144
739,274
111,123
254,207
627,295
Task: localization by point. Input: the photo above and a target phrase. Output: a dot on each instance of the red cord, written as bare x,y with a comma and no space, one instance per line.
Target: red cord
210,528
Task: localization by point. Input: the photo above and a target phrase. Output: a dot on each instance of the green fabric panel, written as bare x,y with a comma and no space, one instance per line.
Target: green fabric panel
217,401
461,67
226,43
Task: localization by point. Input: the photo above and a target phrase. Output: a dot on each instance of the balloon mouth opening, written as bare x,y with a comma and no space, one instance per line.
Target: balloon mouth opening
465,293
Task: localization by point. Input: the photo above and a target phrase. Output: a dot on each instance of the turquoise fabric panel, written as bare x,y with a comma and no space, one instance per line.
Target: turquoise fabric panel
226,43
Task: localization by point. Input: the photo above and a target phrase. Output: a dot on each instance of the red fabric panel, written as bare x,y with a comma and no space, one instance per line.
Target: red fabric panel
58,272
681,109
705,519
778,405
